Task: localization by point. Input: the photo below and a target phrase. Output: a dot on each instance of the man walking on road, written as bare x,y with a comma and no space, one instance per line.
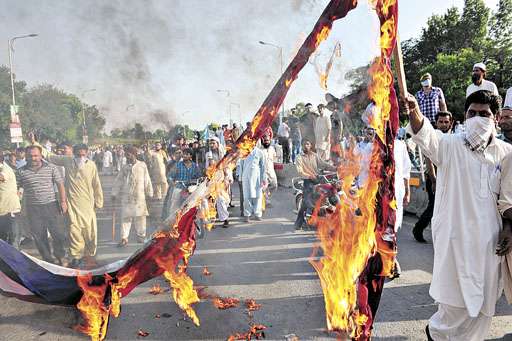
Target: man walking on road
131,186
44,212
323,134
252,170
9,201
466,221
108,161
159,161
283,134
85,195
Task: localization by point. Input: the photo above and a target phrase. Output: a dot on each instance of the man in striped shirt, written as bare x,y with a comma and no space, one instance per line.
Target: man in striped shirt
430,99
44,212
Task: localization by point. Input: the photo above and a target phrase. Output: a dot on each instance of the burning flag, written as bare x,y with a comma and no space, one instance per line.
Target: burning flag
97,293
324,74
225,303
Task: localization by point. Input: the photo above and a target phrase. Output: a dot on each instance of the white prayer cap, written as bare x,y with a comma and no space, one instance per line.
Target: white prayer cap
480,66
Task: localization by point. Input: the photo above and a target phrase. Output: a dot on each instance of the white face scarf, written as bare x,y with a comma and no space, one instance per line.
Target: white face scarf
478,132
426,82
80,161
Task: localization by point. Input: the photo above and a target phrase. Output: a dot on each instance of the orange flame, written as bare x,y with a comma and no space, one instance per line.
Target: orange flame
183,293
206,272
255,332
348,237
322,35
225,303
251,305
156,289
92,307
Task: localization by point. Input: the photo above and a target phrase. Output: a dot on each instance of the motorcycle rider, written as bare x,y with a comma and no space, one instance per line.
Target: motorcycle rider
309,165
185,172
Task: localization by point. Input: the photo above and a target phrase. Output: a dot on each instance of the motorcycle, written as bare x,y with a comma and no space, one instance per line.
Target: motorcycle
182,190
327,186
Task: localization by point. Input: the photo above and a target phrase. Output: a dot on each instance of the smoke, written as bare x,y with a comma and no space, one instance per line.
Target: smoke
166,57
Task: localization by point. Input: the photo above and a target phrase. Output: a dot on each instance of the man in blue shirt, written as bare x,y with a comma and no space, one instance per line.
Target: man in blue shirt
430,99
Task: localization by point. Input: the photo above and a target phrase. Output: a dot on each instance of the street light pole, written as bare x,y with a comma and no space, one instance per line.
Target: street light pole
281,65
15,120
228,94
85,137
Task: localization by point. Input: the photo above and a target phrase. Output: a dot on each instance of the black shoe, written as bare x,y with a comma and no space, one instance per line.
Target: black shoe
427,331
418,235
225,224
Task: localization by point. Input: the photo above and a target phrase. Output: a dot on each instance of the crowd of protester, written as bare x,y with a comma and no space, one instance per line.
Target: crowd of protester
49,194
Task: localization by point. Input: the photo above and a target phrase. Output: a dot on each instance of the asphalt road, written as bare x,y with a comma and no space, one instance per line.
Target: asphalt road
266,261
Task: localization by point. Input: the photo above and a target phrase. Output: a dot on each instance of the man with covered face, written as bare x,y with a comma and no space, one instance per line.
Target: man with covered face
85,195
430,98
466,221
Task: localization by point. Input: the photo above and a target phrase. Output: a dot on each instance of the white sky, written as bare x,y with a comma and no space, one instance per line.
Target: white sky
173,55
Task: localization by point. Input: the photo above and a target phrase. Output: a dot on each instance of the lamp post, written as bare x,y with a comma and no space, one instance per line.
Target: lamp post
15,120
228,94
280,48
85,137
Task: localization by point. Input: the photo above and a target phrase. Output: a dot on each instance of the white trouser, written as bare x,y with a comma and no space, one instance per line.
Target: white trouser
140,226
454,324
222,208
253,206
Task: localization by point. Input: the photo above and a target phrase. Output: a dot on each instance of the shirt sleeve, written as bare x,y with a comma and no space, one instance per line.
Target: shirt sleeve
505,199
57,175
441,95
429,142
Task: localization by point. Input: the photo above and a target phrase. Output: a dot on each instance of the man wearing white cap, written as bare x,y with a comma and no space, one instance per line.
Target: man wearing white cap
479,81
508,98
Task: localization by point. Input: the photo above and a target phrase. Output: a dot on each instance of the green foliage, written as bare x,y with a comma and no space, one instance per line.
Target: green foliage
451,43
48,111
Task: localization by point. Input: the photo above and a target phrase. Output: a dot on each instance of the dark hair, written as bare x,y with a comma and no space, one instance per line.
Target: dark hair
484,97
20,150
129,149
33,146
306,140
188,151
78,147
444,114
308,104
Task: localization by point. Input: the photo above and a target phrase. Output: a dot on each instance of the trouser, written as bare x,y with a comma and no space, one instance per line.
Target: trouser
83,240
44,218
296,148
454,324
241,190
139,225
159,188
7,228
167,202
426,216
222,208
307,198
253,206
285,143
324,154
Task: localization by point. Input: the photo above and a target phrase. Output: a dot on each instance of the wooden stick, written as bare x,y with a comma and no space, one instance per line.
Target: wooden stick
114,225
399,68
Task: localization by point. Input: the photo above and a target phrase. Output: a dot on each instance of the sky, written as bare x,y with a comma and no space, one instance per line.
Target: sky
172,56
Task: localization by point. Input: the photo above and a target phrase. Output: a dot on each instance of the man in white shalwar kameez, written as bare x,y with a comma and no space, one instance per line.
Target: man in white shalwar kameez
323,134
466,221
402,176
253,181
131,186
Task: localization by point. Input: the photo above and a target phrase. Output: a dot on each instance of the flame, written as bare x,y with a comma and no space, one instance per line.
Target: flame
206,272
322,35
288,82
255,332
225,303
156,289
92,307
251,305
323,80
352,234
183,293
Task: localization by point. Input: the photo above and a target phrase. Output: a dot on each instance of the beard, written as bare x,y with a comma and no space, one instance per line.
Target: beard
475,78
265,145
